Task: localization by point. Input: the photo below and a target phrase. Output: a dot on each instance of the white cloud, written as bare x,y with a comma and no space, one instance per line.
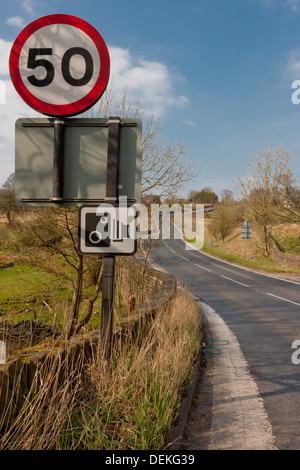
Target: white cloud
13,109
29,6
149,81
16,21
189,123
291,68
292,5
5,47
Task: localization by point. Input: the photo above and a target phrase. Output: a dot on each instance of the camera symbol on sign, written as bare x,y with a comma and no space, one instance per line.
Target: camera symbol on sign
98,230
107,230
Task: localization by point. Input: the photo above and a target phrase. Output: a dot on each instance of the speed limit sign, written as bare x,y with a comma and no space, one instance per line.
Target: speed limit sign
59,64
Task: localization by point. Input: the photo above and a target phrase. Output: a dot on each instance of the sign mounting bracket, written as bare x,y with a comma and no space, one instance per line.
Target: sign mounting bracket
58,159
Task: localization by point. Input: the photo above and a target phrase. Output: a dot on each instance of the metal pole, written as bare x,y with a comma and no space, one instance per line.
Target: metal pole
107,310
58,159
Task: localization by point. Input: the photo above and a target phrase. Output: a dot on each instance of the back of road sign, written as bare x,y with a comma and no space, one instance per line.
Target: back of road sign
85,162
246,230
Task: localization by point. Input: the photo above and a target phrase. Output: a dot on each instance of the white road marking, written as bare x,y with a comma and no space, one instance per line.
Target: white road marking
281,298
176,253
201,252
233,280
239,419
170,248
202,267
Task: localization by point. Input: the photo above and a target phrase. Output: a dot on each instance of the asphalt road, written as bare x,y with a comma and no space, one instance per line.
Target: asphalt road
263,312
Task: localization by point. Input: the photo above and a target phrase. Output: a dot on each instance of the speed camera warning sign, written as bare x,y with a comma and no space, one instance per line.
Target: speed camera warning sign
59,64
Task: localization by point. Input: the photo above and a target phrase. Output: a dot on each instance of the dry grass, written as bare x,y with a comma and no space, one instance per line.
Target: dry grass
234,244
233,248
290,228
130,403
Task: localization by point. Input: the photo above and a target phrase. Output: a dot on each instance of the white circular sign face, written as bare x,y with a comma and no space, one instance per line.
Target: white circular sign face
59,65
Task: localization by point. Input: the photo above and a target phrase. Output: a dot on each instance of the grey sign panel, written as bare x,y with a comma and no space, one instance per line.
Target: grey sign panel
246,223
246,230
85,161
105,229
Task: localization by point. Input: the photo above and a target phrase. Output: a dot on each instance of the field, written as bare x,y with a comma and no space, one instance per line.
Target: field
252,252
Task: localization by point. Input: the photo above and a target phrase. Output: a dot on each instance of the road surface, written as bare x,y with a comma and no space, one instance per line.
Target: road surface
263,313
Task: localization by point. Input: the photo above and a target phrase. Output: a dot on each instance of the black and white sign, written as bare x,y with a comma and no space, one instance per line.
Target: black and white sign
106,229
59,64
246,230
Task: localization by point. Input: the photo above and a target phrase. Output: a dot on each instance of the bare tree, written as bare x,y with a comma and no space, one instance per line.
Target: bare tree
8,204
55,231
7,199
263,188
224,221
165,168
291,198
191,195
226,196
10,182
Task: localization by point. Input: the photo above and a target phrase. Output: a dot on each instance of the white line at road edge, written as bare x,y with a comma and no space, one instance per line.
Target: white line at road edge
239,419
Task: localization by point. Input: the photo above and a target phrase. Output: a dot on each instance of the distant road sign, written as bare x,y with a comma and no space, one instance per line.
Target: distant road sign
59,64
246,230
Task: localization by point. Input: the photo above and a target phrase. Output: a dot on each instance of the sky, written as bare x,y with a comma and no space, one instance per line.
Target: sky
217,73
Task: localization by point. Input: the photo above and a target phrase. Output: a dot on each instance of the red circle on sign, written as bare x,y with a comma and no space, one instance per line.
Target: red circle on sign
75,107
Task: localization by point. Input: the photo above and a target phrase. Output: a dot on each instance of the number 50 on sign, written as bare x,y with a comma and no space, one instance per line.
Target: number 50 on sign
59,64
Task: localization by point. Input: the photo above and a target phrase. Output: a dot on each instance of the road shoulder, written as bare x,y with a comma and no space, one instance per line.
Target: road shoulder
227,397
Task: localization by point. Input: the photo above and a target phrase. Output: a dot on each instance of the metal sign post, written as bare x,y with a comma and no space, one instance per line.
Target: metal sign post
104,241
109,261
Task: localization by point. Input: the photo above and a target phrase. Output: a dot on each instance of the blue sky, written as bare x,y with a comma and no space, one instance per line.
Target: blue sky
218,73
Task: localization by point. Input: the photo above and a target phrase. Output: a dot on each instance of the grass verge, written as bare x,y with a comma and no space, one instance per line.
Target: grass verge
24,288
261,263
130,404
233,249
